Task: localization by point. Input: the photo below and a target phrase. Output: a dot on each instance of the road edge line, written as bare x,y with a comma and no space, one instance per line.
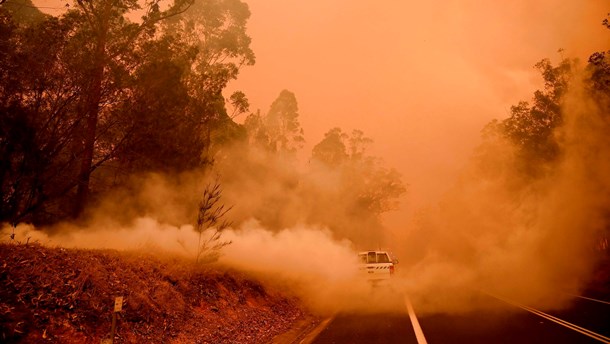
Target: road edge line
559,321
419,334
574,327
311,336
590,299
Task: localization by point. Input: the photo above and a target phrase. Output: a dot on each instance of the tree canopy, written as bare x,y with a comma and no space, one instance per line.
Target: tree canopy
279,130
90,97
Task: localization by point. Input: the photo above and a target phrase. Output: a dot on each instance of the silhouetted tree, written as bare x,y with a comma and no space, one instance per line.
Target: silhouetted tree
331,150
96,92
279,130
110,36
530,128
365,188
39,93
22,11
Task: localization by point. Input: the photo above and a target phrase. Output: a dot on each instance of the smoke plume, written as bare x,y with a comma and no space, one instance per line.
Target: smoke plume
533,243
489,232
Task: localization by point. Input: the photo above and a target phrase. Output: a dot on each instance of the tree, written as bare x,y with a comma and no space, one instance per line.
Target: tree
239,102
158,135
531,127
598,86
371,188
279,130
39,106
376,189
23,11
599,69
105,22
358,144
257,131
98,93
217,30
365,189
331,150
282,121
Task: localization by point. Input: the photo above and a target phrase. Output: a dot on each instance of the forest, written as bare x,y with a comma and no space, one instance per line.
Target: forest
100,98
110,93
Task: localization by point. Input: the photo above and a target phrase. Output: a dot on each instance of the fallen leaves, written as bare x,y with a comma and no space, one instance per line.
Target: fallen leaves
67,296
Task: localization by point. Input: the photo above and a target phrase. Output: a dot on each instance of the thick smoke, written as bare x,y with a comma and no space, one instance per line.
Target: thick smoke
156,215
305,262
488,232
533,244
308,262
280,193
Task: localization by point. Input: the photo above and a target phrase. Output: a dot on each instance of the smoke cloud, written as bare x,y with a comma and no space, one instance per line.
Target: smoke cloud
535,244
487,233
305,262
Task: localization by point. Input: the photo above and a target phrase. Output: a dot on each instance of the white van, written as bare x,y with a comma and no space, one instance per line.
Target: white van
377,265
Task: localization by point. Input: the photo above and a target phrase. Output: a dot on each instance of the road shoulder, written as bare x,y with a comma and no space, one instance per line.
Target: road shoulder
303,331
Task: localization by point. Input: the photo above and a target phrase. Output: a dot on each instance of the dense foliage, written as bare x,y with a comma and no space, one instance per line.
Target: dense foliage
92,97
561,134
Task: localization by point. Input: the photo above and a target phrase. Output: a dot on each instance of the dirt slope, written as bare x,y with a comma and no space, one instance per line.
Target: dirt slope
60,295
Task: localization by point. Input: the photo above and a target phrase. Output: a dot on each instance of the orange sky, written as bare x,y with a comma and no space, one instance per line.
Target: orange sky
420,78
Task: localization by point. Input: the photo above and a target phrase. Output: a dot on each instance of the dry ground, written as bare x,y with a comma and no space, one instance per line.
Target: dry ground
58,295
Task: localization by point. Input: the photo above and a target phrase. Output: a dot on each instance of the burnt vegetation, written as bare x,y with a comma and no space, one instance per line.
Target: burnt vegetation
67,296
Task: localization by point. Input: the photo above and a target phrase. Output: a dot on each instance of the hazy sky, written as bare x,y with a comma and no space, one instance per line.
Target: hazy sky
420,78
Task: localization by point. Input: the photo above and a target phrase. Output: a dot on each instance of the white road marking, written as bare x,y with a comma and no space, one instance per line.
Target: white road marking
419,334
590,299
564,323
311,336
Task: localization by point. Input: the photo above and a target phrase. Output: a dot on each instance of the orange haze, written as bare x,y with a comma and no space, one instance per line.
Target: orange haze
420,78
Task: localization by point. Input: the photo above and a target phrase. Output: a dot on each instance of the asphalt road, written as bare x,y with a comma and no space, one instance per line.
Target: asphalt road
498,321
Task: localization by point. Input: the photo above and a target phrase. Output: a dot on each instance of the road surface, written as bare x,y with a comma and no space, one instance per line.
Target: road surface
496,320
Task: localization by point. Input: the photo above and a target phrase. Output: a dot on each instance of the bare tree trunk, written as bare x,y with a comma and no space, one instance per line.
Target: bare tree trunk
84,175
92,108
100,24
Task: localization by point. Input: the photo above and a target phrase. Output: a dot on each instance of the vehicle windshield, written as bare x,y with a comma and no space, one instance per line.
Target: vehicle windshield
371,258
382,258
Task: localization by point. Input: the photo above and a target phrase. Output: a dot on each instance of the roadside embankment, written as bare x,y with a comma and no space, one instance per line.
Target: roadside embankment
61,295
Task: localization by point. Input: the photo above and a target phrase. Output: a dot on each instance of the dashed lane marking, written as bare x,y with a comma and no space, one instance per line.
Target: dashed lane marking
564,323
419,334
